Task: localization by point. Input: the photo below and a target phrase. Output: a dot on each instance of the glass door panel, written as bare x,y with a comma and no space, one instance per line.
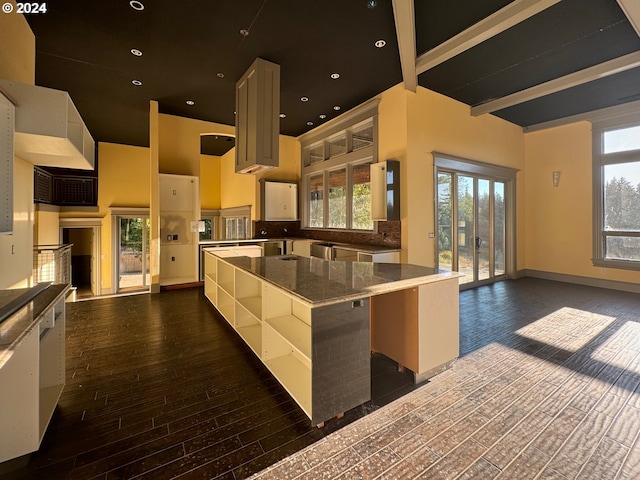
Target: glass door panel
499,229
483,231
445,221
133,252
466,228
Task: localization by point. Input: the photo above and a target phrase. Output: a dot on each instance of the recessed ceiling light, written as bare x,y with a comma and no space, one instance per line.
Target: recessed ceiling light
136,52
190,102
336,108
380,43
220,75
283,115
137,83
304,99
323,116
309,123
335,76
136,5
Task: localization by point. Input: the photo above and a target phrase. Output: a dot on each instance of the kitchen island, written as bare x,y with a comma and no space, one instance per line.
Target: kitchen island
314,322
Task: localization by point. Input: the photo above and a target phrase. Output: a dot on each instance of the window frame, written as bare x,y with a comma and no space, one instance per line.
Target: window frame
599,161
322,136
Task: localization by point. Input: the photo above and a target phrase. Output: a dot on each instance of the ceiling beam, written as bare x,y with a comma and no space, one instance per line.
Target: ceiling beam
631,9
404,16
617,65
503,19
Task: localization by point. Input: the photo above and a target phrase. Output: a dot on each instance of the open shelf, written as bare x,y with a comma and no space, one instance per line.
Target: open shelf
252,335
295,377
253,305
295,332
210,266
225,277
210,289
227,287
226,305
49,397
248,291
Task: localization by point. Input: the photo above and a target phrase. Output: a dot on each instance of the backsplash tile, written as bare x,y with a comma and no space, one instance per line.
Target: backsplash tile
388,234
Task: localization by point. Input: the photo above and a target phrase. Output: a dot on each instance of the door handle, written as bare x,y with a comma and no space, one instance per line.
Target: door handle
478,242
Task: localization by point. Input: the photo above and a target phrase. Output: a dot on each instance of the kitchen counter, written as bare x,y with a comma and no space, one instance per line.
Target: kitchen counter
324,282
27,318
32,365
213,243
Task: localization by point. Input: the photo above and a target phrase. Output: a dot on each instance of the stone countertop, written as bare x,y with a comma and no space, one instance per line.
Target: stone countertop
212,243
19,325
320,282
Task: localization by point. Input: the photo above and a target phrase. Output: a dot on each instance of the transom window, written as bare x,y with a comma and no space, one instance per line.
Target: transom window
336,182
617,196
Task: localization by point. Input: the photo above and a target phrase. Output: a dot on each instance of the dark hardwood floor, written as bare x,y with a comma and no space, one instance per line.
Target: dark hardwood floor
159,386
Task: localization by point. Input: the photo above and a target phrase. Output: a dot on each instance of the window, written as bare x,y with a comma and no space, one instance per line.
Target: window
210,219
335,170
617,196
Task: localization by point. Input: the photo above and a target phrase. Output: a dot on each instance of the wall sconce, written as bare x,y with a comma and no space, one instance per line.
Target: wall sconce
556,178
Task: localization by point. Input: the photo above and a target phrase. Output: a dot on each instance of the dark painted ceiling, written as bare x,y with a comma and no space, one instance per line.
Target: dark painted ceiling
194,50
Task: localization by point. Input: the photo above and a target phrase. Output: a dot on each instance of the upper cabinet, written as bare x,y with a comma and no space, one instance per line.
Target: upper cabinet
48,128
280,201
257,118
385,190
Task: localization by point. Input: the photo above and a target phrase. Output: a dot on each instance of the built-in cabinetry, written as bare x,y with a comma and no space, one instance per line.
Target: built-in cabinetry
320,354
302,247
354,255
48,128
7,114
385,190
279,201
179,215
32,373
257,118
418,327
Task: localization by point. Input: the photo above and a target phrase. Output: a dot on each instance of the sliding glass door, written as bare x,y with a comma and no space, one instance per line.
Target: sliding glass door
472,226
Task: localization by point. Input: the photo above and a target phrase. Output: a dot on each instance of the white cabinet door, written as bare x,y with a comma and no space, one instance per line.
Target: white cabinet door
280,201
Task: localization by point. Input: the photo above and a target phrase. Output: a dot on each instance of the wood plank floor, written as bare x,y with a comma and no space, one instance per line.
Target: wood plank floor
159,386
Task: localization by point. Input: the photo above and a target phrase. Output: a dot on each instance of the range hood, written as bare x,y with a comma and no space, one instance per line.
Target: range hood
258,118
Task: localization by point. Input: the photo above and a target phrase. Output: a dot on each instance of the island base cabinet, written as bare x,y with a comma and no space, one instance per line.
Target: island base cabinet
31,382
341,358
418,327
19,401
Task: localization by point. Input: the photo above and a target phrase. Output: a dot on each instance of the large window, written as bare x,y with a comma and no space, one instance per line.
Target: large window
335,170
617,196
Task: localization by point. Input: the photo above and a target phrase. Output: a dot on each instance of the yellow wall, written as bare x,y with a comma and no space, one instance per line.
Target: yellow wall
428,122
46,225
209,182
237,190
559,220
17,63
179,147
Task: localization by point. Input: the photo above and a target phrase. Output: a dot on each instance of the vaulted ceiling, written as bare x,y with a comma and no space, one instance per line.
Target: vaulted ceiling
527,61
